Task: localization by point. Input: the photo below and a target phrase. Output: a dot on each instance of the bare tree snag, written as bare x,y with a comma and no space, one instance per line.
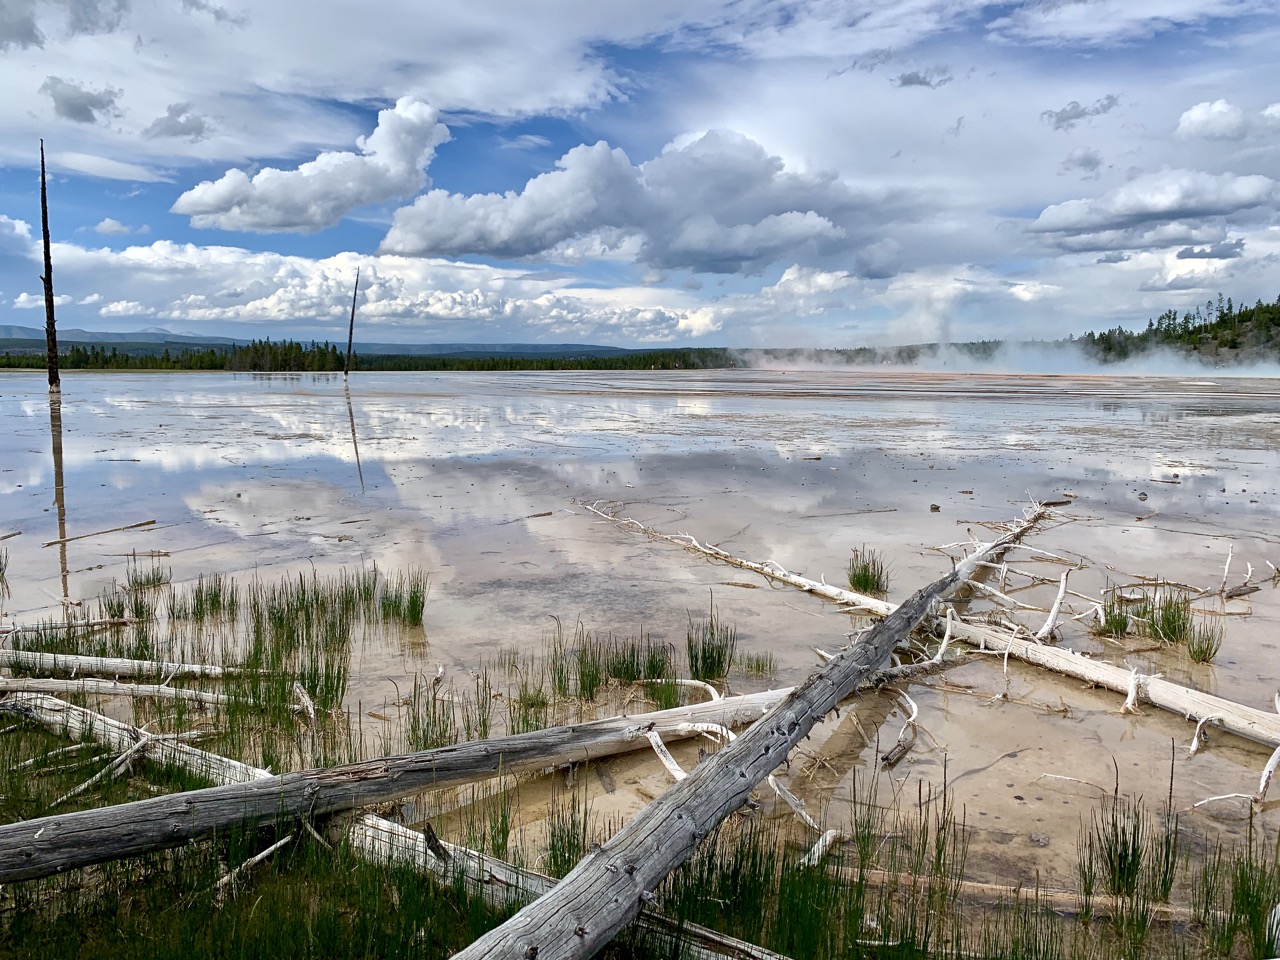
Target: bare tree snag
351,333
50,325
607,889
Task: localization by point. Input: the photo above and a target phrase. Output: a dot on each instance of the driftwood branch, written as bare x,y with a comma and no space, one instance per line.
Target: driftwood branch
110,688
607,889
106,666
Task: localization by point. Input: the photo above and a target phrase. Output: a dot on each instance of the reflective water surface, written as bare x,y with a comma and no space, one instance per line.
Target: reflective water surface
479,478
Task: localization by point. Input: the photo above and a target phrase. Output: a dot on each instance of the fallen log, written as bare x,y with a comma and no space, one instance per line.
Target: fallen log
106,666
48,845
503,883
77,723
377,839
607,888
1244,721
110,688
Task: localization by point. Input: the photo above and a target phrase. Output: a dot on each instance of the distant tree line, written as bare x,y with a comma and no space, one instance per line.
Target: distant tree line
1220,331
259,356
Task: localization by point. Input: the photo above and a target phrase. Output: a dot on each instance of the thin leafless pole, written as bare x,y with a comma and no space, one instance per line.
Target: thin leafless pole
351,329
50,325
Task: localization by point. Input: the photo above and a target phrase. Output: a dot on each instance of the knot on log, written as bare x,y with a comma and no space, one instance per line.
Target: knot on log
531,952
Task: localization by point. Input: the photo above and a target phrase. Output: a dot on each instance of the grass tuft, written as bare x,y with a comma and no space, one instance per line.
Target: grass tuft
711,644
868,573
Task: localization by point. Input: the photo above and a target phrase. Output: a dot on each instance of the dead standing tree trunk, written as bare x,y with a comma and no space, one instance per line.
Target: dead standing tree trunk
50,327
351,333
607,889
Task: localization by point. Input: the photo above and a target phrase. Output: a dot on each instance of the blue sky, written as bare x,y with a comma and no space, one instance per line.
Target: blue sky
756,172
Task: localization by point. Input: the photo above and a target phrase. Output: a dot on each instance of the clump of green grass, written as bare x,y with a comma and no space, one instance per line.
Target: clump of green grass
758,664
590,671
405,597
1205,642
530,707
1164,614
1115,621
138,578
637,658
665,694
568,834
711,643
431,721
477,713
868,573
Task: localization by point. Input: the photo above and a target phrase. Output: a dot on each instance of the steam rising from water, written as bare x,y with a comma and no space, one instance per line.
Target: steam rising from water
1009,357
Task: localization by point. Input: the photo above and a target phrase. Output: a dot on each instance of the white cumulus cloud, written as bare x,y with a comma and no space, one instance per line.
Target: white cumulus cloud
390,163
716,202
1213,120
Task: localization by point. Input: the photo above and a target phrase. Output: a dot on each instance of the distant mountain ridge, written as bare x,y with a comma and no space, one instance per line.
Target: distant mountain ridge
17,338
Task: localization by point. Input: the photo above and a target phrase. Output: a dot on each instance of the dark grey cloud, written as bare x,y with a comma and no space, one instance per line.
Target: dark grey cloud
1115,257
220,14
73,102
1083,160
18,26
719,204
95,16
179,121
1185,281
1226,250
932,78
1073,112
1161,207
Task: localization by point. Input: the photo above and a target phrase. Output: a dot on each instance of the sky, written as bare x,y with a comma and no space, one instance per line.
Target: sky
674,172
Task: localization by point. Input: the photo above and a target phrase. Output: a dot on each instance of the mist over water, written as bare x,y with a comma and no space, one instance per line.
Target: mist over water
1023,357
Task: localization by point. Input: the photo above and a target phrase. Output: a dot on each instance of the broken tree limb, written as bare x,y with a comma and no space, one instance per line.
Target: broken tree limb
76,723
608,887
106,666
98,533
1244,721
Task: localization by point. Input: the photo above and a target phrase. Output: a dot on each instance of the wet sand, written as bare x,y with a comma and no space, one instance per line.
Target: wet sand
477,477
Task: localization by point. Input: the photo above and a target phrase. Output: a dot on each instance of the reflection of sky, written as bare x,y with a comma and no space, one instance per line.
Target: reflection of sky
264,469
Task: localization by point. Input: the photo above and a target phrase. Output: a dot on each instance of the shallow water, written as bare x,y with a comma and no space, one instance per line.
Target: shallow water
479,479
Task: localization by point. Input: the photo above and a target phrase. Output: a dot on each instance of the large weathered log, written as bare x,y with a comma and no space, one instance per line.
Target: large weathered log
607,888
503,883
37,848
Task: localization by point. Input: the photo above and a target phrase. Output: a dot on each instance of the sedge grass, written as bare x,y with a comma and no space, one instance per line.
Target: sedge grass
710,643
868,572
